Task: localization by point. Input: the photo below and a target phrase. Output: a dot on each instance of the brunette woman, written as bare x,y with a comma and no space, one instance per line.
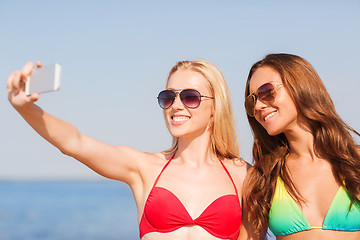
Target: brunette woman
305,183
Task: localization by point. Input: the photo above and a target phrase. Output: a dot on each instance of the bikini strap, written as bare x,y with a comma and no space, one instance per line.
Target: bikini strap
162,170
228,173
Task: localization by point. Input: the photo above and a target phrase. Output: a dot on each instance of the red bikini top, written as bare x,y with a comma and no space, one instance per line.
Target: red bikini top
164,212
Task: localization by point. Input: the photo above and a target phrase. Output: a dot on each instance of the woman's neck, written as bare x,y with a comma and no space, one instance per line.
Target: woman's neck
195,151
301,143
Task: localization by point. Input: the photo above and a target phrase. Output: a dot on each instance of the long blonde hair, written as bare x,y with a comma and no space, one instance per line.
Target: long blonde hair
224,142
332,138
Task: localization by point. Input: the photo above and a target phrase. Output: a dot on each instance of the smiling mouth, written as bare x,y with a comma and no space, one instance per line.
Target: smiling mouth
179,118
269,116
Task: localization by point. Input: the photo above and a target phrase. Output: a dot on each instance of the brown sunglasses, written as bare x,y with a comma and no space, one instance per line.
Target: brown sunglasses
266,93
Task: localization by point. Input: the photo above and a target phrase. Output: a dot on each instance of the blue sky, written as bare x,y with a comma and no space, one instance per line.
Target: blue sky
116,56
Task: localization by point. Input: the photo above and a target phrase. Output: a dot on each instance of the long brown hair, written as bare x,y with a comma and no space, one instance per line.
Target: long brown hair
332,138
224,142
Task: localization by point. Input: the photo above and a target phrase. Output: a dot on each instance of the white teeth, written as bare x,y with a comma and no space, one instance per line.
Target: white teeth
269,115
180,118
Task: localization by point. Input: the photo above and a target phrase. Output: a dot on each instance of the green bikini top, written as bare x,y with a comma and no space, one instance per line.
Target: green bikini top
285,216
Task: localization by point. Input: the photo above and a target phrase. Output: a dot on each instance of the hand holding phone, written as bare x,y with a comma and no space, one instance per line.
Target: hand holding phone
44,79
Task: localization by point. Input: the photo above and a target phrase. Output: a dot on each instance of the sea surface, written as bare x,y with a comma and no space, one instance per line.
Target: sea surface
67,210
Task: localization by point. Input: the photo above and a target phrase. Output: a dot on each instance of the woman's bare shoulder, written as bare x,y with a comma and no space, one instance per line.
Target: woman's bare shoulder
153,162
149,166
158,157
238,169
237,163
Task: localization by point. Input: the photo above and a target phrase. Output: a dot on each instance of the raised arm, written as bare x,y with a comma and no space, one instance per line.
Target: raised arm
115,162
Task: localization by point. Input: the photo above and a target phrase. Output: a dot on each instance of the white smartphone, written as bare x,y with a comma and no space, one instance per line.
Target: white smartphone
44,79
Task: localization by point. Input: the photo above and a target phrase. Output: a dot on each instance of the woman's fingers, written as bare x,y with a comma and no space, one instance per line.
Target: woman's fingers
34,97
28,68
9,83
16,85
39,64
15,79
26,71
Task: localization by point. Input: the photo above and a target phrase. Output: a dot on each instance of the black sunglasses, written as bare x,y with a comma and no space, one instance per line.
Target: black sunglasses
266,93
191,98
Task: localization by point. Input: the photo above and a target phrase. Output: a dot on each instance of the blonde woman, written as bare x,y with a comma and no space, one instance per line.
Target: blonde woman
192,190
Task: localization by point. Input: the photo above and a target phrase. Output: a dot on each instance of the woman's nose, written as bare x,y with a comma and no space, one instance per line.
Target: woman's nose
177,102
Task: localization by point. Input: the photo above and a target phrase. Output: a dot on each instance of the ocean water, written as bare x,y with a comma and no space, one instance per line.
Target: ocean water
67,210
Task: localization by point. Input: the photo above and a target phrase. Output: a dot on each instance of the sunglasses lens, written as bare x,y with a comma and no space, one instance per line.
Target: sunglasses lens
266,92
191,98
250,104
166,98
